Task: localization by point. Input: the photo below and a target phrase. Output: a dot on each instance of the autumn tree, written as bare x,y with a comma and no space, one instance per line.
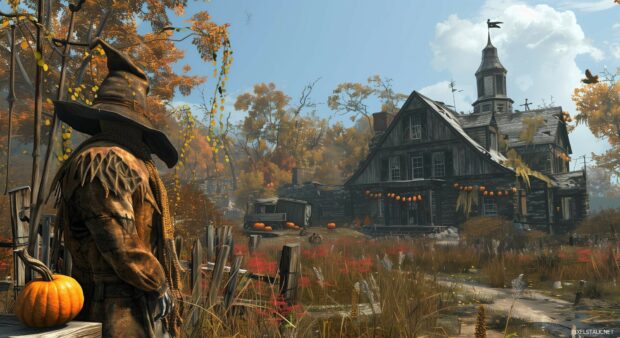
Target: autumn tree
277,135
598,105
142,29
352,98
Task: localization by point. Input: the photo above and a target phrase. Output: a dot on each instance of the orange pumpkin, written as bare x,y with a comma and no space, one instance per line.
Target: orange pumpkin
514,190
500,193
48,301
259,225
331,225
290,225
268,228
456,185
485,193
419,197
482,188
415,198
491,194
398,198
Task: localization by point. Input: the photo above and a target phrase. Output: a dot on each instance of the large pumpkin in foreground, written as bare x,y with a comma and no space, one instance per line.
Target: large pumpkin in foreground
48,301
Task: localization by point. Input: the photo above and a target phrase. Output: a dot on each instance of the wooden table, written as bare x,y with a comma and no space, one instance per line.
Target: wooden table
11,327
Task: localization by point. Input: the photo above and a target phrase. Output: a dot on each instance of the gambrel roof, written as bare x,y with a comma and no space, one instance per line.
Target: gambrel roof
451,120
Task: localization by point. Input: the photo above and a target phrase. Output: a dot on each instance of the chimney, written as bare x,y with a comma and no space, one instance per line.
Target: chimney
300,176
380,121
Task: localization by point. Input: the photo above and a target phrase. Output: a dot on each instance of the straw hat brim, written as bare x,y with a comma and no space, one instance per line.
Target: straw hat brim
86,119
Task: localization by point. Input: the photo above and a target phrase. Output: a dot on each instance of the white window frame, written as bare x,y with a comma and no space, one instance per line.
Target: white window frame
566,212
380,207
413,159
489,206
439,164
493,140
394,168
415,127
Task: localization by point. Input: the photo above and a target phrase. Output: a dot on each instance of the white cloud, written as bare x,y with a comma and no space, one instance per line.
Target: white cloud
614,50
589,6
537,44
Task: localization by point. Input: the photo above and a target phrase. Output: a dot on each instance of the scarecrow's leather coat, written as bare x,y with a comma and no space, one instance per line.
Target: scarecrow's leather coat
107,210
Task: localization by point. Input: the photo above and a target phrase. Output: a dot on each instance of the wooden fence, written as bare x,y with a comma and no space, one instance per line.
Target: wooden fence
218,259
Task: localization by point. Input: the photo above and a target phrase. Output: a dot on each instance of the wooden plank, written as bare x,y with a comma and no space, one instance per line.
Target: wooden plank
253,243
11,327
289,271
19,200
210,242
218,272
196,263
46,238
231,287
68,262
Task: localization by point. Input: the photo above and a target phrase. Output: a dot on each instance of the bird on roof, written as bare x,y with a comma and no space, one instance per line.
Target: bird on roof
493,24
590,79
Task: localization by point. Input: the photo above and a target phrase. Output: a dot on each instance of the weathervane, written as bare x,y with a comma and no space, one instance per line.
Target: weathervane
452,86
526,105
492,24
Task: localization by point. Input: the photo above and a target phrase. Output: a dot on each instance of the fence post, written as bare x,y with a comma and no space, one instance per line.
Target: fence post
196,264
289,271
232,282
19,199
210,242
218,272
253,244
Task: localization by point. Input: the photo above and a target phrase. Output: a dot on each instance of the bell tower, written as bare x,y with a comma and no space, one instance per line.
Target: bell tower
491,83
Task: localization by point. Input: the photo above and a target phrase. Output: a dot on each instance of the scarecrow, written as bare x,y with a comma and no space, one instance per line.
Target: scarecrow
113,208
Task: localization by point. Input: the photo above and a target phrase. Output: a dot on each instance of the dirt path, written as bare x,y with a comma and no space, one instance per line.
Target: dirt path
532,306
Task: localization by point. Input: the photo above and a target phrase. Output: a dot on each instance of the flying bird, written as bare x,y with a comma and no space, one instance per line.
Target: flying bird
590,79
617,1
495,24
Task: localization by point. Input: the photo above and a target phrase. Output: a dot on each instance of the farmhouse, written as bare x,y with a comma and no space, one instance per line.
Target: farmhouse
429,165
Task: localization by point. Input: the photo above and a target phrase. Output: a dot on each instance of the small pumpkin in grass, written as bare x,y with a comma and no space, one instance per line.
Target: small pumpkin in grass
331,225
48,301
290,225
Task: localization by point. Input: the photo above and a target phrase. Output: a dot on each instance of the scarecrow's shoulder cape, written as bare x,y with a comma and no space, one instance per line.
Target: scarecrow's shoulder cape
118,171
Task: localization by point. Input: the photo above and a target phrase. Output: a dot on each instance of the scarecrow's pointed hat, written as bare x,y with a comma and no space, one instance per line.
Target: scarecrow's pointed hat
121,97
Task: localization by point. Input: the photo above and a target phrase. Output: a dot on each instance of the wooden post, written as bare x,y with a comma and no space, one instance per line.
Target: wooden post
68,261
289,272
229,294
46,236
19,199
210,242
218,272
196,264
253,244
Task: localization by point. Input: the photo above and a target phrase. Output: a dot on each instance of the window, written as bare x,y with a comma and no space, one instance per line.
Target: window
566,206
488,86
486,107
417,166
380,207
480,87
439,164
500,107
499,83
489,207
415,127
493,143
394,168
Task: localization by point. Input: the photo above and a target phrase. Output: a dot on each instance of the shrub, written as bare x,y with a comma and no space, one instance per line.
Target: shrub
604,222
487,228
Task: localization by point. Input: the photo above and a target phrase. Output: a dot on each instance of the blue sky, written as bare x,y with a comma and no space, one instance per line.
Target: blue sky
545,45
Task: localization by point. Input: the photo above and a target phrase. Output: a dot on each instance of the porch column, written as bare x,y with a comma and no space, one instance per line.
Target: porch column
430,206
